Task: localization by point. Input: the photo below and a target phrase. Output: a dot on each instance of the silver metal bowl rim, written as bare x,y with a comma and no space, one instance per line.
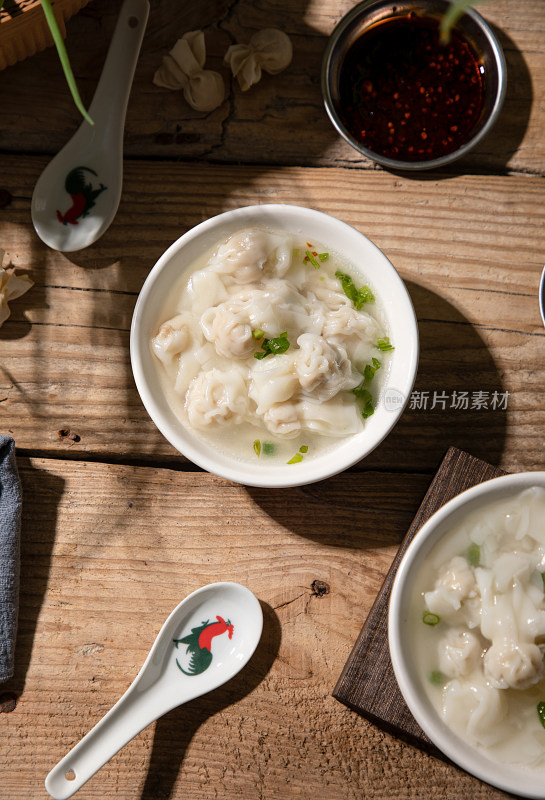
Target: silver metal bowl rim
384,161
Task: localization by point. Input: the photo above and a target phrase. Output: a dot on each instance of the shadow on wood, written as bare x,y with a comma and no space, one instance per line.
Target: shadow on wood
458,398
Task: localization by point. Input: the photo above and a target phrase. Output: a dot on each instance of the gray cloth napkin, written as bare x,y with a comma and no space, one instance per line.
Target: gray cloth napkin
10,528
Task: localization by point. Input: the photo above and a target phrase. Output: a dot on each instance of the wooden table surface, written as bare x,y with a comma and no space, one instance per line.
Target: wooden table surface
118,527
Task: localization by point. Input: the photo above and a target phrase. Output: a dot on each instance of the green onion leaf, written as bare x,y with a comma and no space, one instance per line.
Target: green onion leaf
365,295
366,399
436,677
323,256
258,333
296,459
384,344
370,369
541,712
63,56
473,555
312,261
430,619
268,448
257,447
358,296
303,448
273,346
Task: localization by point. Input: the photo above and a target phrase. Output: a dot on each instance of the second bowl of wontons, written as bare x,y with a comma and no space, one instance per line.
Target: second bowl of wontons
274,345
467,631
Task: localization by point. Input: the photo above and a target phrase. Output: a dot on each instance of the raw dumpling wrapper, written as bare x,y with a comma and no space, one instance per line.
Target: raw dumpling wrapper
269,49
11,287
182,68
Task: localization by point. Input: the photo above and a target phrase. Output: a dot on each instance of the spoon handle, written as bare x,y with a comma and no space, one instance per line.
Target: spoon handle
132,713
109,104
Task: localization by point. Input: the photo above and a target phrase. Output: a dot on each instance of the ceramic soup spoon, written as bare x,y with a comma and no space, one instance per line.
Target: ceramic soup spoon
77,195
206,640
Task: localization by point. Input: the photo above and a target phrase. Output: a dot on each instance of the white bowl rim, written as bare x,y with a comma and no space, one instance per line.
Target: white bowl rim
320,467
519,780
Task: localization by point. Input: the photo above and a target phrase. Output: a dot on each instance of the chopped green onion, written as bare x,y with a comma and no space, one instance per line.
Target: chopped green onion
312,261
430,619
63,56
384,344
358,296
436,677
473,555
299,456
257,447
323,256
541,712
370,369
273,346
268,448
258,333
366,398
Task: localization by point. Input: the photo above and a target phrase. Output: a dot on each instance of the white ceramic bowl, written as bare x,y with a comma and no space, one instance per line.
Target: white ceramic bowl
340,238
519,780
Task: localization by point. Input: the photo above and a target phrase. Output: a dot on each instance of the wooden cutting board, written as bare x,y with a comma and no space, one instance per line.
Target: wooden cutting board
367,683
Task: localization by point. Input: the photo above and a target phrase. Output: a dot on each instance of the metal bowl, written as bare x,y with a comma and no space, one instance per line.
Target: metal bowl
472,27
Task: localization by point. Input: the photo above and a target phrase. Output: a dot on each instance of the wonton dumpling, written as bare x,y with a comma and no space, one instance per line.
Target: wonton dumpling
272,382
182,68
515,665
328,291
282,419
248,254
11,287
459,653
230,333
323,369
474,711
173,337
269,49
204,289
336,417
217,397
454,584
275,308
346,322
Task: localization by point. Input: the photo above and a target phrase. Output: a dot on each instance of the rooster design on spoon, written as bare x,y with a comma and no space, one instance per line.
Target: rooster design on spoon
83,195
199,644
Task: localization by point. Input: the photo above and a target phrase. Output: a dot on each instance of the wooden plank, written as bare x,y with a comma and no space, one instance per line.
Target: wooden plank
108,551
281,120
367,683
470,250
